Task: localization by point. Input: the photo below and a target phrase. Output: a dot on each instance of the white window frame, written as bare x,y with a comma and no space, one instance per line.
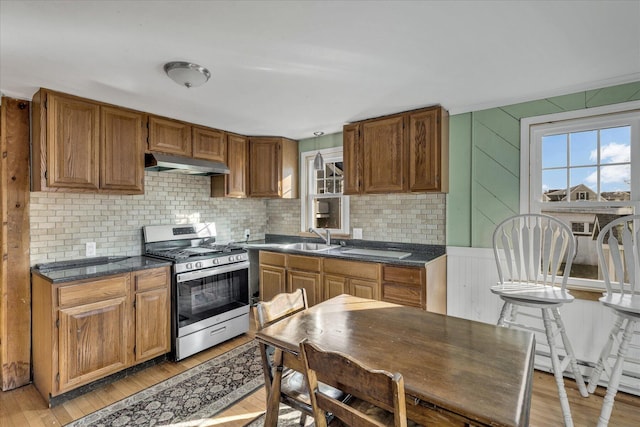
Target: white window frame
531,160
307,179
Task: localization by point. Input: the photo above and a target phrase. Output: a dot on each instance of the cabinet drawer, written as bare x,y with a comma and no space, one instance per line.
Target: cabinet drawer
364,270
307,263
403,294
413,276
272,258
93,291
151,279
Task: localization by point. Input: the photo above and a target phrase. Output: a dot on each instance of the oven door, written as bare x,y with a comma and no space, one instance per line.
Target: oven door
211,296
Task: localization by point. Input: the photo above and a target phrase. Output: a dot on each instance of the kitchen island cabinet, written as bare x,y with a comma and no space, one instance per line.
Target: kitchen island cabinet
85,330
86,146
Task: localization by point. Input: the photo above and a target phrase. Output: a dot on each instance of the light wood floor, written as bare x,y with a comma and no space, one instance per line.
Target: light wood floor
25,407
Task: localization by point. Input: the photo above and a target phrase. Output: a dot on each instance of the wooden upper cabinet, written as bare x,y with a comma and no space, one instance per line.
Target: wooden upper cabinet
273,167
384,169
238,162
352,157
209,144
169,136
428,155
405,152
86,146
122,150
72,142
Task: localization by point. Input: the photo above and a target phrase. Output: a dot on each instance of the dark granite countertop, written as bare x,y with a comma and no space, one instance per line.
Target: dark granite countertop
86,268
420,254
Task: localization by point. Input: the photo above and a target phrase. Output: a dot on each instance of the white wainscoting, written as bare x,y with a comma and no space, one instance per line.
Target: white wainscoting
470,273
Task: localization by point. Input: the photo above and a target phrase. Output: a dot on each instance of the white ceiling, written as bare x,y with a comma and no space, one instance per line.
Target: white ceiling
291,68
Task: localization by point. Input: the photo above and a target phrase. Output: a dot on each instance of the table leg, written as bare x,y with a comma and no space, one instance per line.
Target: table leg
273,400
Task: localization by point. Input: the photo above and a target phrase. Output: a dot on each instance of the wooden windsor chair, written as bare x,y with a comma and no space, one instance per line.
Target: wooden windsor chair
293,385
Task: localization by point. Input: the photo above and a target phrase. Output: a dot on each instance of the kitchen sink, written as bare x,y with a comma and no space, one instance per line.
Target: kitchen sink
311,247
377,253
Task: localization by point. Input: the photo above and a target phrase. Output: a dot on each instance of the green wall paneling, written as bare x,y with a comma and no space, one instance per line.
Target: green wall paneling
458,200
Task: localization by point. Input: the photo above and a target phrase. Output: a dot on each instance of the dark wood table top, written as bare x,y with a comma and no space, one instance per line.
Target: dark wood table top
478,371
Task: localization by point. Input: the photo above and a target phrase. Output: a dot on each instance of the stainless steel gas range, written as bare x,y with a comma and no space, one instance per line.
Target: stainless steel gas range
210,285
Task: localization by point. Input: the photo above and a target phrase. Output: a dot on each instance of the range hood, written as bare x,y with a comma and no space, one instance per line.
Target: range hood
185,165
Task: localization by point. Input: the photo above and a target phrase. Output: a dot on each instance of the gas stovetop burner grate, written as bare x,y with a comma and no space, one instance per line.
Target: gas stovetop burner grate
184,253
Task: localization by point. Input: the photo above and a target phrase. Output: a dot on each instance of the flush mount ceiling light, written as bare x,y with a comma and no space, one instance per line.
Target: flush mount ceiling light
318,162
187,74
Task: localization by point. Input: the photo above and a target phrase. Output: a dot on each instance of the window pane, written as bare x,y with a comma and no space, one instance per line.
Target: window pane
583,148
554,151
554,185
615,178
326,212
615,145
583,180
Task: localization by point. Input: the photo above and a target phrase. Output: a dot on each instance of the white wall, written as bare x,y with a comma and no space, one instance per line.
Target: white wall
470,273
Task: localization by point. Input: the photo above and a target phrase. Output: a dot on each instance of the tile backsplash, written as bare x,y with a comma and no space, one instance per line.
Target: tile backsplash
61,223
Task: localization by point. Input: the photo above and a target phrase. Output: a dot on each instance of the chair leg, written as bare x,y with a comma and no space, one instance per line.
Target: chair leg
555,363
505,313
614,379
571,355
303,419
604,355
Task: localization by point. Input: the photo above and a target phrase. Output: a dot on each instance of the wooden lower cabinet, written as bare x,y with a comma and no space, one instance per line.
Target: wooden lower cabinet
273,274
92,341
324,278
304,272
152,302
88,329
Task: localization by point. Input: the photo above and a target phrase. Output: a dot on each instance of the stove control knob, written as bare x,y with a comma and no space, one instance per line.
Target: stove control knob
231,258
216,261
238,257
198,264
189,266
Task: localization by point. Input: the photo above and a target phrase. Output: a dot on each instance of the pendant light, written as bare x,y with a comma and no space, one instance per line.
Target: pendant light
318,162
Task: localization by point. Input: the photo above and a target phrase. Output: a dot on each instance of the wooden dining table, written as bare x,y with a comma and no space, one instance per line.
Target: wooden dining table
456,371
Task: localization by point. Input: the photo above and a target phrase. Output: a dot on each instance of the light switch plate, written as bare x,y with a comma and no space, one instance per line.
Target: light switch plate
90,249
357,233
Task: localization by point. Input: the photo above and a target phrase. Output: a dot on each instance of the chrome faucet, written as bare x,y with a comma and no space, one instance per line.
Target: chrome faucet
327,239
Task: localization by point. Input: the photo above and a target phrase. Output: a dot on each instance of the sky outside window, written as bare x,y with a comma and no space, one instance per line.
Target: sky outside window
599,159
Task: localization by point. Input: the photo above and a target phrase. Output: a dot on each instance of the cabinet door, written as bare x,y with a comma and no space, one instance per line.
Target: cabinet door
152,324
404,285
424,151
92,341
364,289
352,156
169,136
384,161
309,281
72,142
238,162
209,144
121,150
265,167
332,286
272,281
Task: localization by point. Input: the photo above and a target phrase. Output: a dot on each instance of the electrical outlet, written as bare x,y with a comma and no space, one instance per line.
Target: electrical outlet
357,233
90,249
247,232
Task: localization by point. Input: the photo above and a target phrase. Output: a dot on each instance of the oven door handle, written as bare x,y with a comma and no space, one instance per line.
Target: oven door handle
199,274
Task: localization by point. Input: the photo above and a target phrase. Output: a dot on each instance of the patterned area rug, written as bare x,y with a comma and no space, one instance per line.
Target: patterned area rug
197,393
287,417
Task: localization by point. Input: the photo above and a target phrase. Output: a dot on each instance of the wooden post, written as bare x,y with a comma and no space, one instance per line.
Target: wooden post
15,282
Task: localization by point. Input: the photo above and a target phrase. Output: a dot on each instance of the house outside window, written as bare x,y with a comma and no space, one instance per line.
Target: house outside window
582,167
322,203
